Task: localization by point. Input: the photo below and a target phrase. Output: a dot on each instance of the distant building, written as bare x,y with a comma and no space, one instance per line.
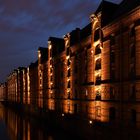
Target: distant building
3,92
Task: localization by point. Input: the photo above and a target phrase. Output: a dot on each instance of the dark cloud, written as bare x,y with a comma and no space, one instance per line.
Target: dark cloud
27,24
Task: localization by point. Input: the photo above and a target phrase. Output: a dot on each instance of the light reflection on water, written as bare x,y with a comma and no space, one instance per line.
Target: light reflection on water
17,127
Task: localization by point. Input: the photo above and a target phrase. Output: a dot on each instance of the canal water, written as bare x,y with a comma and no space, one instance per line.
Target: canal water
14,126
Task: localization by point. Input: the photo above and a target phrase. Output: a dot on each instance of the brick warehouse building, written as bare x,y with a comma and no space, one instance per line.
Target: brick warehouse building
91,73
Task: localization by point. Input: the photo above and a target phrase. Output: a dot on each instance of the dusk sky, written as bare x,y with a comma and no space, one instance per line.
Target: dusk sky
27,24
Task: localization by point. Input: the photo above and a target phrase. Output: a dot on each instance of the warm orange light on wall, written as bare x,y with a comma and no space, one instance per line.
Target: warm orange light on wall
39,55
97,57
50,46
90,122
97,72
67,57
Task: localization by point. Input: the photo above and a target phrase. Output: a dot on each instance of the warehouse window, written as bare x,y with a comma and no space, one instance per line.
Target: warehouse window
68,73
112,57
112,92
98,95
68,84
75,70
97,50
133,116
68,50
68,62
133,92
132,71
75,108
112,40
112,114
97,34
132,32
76,94
112,73
98,79
98,64
132,51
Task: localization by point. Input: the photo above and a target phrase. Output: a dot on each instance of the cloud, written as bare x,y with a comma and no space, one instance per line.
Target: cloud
27,24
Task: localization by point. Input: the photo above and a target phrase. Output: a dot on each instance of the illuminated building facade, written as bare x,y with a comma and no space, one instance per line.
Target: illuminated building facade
56,74
93,73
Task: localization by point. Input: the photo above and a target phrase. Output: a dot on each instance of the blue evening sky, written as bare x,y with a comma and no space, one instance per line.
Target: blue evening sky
27,24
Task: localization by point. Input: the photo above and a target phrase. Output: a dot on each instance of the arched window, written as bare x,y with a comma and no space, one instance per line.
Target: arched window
68,62
97,50
68,73
98,64
68,84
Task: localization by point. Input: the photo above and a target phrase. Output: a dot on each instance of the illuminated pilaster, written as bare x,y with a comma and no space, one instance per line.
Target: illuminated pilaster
23,86
97,45
68,72
28,85
40,80
51,104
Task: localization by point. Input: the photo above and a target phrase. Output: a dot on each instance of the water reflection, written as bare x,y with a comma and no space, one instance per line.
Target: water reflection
21,127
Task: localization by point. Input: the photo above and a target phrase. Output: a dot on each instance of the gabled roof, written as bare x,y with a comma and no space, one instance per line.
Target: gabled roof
57,45
34,65
86,31
44,54
126,6
75,36
107,10
106,6
110,11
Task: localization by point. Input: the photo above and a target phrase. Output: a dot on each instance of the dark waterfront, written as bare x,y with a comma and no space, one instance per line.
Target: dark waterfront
14,126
